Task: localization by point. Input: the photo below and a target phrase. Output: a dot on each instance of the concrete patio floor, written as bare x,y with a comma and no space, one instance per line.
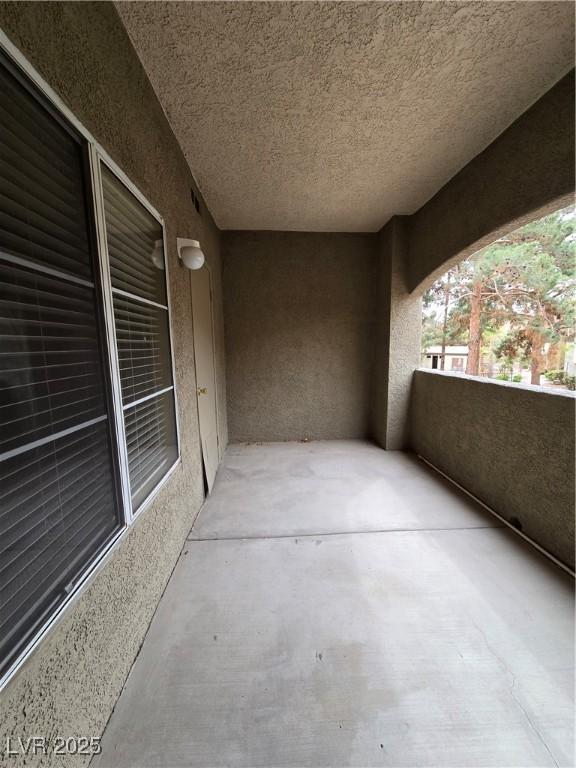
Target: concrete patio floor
338,605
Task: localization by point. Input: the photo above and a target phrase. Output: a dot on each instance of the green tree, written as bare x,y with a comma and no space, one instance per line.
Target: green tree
533,286
437,326
524,282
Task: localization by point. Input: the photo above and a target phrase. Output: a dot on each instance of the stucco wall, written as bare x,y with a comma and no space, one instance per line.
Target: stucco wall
70,684
525,173
300,327
396,341
299,318
511,446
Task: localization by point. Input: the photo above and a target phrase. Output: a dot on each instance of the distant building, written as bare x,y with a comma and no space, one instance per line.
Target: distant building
455,357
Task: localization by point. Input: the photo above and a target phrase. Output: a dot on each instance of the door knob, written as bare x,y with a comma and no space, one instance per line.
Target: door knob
202,391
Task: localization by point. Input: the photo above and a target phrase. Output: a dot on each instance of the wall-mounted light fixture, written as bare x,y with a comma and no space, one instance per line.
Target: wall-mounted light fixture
190,253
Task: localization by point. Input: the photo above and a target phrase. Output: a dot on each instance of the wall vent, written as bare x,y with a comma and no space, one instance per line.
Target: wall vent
195,201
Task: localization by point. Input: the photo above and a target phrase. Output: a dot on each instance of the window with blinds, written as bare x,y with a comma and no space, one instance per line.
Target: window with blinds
136,258
59,486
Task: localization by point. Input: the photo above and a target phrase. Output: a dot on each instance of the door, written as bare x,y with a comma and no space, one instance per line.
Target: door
205,369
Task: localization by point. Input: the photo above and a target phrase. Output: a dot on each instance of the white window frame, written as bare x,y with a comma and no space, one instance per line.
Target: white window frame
97,155
97,158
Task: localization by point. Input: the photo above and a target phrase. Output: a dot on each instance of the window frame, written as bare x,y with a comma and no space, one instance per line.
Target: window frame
95,154
97,159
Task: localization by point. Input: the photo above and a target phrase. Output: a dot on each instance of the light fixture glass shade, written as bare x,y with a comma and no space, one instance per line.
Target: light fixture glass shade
190,253
192,257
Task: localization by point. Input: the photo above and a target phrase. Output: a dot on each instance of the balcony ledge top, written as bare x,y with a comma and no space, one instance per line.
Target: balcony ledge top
499,383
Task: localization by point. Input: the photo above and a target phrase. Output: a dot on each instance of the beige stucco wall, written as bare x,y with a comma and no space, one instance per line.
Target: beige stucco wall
512,446
70,684
299,318
300,322
525,173
396,341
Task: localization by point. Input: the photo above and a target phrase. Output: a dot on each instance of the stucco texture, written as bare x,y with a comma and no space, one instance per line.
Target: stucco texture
310,149
335,116
511,446
397,339
70,684
527,172
299,319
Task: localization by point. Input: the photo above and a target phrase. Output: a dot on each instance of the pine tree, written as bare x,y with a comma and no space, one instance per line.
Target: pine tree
526,282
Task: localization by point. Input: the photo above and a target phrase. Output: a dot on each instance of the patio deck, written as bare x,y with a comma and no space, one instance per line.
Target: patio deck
339,605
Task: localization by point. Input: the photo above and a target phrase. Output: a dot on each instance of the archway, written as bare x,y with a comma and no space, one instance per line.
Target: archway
507,311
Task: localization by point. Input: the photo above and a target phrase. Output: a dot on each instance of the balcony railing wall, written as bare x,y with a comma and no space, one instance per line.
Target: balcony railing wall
510,445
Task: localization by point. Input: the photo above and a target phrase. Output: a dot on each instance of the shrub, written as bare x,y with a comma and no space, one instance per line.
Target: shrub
570,382
517,377
554,375
502,377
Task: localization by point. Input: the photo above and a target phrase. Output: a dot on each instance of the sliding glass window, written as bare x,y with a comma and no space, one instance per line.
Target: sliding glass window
59,475
137,270
88,426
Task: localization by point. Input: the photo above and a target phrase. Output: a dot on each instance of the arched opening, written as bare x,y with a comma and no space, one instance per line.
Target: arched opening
507,312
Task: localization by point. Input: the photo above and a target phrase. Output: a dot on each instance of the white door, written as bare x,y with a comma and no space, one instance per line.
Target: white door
205,369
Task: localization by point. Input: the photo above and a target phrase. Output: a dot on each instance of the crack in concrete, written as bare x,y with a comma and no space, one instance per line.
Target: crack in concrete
345,533
507,669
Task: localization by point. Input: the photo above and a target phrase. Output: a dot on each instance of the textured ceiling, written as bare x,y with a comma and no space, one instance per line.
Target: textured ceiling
334,116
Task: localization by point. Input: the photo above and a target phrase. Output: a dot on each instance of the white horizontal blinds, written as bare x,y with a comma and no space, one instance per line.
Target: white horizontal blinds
151,442
136,256
42,216
58,500
50,356
135,247
143,348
